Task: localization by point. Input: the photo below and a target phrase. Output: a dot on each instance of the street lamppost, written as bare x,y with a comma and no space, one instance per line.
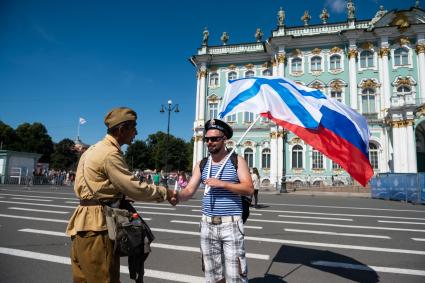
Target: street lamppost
283,181
169,109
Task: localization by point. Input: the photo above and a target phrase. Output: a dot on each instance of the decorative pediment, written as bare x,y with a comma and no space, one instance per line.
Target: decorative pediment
403,40
402,19
295,140
316,51
213,68
248,143
369,83
231,67
404,81
367,45
317,85
296,52
213,98
336,85
335,49
249,66
267,64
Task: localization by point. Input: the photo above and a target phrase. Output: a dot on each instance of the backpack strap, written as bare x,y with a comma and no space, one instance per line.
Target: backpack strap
233,159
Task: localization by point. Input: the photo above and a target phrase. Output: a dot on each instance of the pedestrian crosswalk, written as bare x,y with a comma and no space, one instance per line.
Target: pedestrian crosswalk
364,240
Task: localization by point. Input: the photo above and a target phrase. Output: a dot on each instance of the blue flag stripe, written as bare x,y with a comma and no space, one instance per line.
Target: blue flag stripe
343,127
296,107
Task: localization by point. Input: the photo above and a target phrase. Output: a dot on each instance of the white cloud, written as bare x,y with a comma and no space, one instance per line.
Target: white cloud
336,6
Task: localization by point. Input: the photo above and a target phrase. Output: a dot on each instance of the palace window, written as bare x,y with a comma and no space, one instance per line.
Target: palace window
248,117
336,94
267,73
297,157
249,74
214,79
249,157
265,158
403,90
316,63
401,57
296,65
231,118
213,110
335,165
317,159
368,100
373,155
335,62
366,59
231,76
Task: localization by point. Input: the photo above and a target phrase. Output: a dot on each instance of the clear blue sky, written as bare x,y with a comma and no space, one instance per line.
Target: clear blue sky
61,60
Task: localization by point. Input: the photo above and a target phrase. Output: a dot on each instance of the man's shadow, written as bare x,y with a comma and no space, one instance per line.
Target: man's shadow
326,261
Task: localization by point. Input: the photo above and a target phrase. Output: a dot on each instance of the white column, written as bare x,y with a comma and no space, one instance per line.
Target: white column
411,151
202,94
383,166
383,52
200,144
279,154
381,96
352,55
198,82
275,72
273,156
397,158
420,50
281,64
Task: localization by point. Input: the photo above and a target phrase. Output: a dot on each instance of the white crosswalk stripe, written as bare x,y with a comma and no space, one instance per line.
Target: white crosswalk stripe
336,233
38,210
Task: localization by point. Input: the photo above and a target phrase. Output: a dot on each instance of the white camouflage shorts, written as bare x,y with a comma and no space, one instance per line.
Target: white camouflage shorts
223,252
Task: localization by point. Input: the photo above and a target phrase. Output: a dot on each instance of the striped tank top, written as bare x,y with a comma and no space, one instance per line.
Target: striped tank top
218,201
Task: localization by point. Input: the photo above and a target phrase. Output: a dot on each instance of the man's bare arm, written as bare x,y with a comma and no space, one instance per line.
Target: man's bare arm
193,185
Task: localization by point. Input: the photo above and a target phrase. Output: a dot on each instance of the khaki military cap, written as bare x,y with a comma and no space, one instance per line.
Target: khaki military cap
119,115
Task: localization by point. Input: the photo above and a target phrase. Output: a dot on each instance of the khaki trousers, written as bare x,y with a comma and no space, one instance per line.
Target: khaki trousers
93,259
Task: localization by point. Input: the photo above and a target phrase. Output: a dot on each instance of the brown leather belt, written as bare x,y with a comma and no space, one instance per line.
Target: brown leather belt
89,202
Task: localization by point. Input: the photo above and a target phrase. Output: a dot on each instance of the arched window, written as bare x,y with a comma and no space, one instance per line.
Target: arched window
249,74
401,57
335,62
232,76
249,157
316,63
373,155
366,59
297,157
368,100
317,159
265,158
296,65
213,79
335,165
267,73
403,90
336,94
213,110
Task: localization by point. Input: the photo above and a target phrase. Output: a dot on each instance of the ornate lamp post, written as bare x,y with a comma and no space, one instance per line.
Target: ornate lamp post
169,109
283,181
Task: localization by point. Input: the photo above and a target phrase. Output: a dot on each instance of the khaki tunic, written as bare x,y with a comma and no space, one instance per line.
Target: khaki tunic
108,176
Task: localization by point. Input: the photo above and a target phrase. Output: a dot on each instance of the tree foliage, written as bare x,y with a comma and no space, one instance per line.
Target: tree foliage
8,137
64,156
34,138
156,150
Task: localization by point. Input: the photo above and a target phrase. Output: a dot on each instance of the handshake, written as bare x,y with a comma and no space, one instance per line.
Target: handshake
172,197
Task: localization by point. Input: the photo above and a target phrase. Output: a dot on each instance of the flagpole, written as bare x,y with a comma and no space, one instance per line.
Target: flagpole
207,188
78,130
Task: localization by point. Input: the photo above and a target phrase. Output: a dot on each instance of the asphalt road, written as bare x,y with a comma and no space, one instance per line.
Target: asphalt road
291,238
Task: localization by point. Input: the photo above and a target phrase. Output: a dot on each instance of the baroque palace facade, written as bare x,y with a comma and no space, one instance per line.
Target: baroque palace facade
376,66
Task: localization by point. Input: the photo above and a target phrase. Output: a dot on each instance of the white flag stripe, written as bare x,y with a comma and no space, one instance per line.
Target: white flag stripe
82,121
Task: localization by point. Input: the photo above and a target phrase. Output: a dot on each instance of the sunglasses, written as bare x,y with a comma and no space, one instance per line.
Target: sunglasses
213,139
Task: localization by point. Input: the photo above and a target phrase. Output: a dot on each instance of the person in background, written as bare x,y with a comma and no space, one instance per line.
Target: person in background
156,178
255,176
182,180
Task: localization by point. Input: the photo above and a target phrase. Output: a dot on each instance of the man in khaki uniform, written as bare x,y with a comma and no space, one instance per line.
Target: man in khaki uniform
103,172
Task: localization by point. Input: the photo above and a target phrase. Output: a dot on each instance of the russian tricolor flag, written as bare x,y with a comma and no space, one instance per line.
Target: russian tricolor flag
329,126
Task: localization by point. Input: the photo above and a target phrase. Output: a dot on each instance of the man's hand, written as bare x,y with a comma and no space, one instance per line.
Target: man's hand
172,197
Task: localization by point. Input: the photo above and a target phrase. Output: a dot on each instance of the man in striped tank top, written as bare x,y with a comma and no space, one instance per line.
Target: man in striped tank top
222,231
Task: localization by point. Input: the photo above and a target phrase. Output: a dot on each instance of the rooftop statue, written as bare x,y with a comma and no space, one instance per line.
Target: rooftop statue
258,35
281,17
306,18
224,38
324,16
205,38
351,9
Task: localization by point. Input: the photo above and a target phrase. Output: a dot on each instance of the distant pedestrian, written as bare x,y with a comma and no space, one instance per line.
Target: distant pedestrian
156,178
256,182
182,180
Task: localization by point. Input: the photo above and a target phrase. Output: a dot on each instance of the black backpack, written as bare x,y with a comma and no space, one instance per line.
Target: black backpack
246,201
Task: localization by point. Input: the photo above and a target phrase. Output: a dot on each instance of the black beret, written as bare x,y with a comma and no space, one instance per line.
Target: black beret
219,125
